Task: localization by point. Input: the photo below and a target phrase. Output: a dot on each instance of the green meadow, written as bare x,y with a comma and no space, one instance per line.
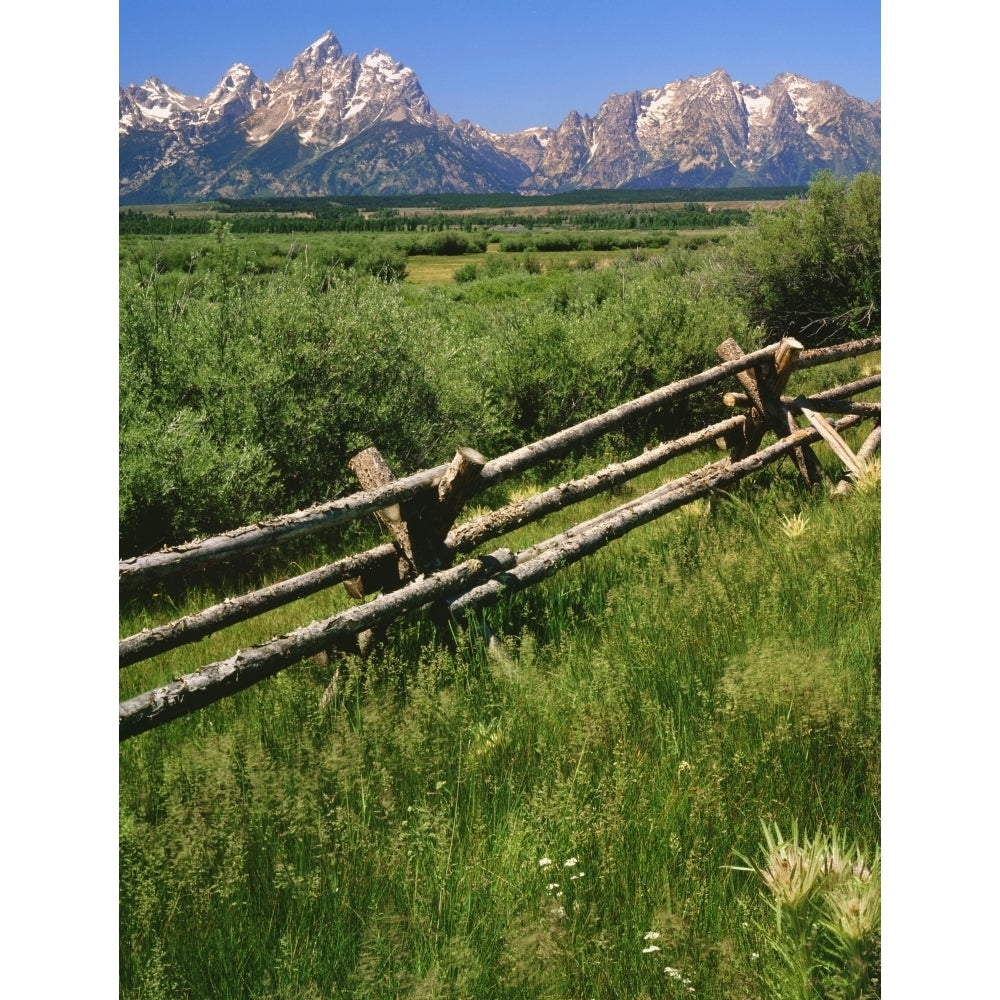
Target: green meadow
662,779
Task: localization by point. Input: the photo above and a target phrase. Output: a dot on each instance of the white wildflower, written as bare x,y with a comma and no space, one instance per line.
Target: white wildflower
552,885
650,948
651,936
570,863
545,862
673,973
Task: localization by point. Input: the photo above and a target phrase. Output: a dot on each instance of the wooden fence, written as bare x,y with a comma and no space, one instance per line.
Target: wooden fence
417,568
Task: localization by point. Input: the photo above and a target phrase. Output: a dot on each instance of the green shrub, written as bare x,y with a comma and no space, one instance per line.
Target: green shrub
813,268
241,397
450,243
467,272
176,482
494,264
383,263
516,244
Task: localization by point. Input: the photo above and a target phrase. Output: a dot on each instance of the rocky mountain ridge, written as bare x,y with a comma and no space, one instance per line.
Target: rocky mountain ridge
340,124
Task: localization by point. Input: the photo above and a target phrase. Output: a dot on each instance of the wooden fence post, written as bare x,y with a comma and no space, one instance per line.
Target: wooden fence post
432,518
418,526
865,452
371,471
826,430
764,389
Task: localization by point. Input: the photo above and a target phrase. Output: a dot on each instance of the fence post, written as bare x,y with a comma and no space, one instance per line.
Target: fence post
430,519
371,471
764,390
826,430
418,526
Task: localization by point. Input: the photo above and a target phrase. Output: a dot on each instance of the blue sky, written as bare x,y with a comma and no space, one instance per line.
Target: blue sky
513,64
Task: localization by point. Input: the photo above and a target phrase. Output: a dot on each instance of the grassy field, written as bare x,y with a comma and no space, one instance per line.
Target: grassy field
434,270
186,252
569,820
667,781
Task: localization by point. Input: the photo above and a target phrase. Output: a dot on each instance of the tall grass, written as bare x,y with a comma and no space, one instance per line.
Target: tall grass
568,819
594,809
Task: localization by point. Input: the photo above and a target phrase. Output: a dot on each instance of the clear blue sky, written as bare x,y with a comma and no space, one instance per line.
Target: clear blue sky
511,64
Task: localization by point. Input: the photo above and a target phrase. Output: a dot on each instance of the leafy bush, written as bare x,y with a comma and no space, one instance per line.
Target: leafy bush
450,244
176,481
813,268
494,264
532,264
549,242
516,244
467,272
241,397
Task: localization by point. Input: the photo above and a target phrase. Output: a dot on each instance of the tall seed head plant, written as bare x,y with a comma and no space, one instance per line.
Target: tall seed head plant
825,905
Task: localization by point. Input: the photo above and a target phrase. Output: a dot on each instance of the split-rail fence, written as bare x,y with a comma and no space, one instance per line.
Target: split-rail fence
418,568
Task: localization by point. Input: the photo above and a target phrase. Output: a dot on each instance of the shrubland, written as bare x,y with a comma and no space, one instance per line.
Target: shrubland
244,391
666,784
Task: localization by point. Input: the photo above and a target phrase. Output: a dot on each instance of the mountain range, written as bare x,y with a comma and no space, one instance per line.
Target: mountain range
338,124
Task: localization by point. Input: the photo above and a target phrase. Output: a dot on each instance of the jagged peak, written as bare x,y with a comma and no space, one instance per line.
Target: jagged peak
327,41
325,49
717,79
381,65
377,59
239,83
157,86
238,75
156,89
794,81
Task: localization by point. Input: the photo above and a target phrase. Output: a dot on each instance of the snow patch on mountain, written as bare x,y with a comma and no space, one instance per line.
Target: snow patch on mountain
703,130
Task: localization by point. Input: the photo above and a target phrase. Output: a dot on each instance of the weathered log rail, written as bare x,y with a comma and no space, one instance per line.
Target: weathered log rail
415,569
144,569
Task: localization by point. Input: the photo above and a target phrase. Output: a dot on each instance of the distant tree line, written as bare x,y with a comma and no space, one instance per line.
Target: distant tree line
136,223
381,213
325,205
344,219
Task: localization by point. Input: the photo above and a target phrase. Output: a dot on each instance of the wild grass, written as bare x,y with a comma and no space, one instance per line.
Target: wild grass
431,270
566,820
594,804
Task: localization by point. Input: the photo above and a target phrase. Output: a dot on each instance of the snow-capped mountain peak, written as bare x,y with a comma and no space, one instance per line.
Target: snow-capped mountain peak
336,123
